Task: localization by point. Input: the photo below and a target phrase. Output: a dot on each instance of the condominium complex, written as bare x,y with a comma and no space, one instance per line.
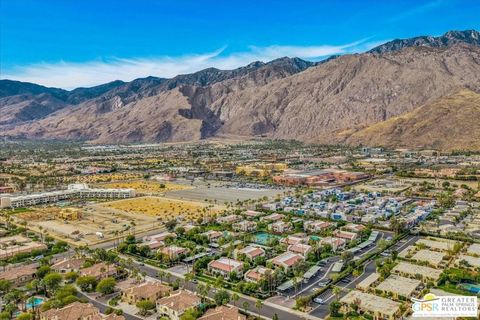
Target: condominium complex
73,191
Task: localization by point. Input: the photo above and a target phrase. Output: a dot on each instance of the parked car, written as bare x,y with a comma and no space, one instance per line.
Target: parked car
324,283
318,300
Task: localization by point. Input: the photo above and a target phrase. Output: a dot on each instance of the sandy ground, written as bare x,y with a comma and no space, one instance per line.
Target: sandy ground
95,218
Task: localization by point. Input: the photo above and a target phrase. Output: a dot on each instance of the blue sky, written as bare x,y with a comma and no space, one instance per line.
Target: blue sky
67,43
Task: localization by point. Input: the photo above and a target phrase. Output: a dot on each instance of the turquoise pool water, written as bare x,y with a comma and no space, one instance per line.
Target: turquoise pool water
474,288
36,302
315,238
263,237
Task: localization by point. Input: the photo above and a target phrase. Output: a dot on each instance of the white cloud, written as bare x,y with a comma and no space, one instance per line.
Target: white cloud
70,75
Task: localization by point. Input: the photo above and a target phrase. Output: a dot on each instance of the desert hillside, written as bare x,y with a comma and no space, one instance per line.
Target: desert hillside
449,123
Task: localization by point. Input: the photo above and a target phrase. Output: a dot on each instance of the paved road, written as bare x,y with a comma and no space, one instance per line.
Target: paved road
110,244
268,310
102,307
350,282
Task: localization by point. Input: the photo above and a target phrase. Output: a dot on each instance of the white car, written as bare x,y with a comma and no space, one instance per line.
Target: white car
318,300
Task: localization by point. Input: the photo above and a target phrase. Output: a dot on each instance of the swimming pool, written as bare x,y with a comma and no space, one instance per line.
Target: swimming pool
35,303
474,288
263,237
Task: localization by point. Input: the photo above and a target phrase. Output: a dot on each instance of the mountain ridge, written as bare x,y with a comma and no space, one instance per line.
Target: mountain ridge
287,98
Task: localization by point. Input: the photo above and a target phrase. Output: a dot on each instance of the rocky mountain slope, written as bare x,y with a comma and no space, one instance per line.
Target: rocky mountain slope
285,98
448,39
449,123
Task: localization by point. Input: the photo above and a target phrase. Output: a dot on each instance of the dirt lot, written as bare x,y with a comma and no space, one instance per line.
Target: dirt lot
164,208
143,186
94,218
102,177
382,185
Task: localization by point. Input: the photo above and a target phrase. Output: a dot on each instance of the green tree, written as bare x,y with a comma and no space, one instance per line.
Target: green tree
43,271
235,298
25,316
335,308
106,286
221,297
87,283
52,281
259,304
245,306
145,306
71,276
5,286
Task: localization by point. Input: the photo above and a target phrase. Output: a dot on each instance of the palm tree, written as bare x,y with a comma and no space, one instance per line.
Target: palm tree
208,287
245,306
31,301
336,292
295,284
259,304
161,275
235,298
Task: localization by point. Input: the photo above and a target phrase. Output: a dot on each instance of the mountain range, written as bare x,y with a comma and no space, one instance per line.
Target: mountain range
399,94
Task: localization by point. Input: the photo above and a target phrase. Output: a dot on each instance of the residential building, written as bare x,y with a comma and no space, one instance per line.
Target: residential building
399,286
11,246
257,274
225,266
413,270
280,227
250,252
99,270
151,291
213,235
378,307
77,311
300,248
175,305
68,265
349,236
229,219
273,217
73,191
223,313
19,275
316,226
291,239
336,243
245,226
174,252
287,260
